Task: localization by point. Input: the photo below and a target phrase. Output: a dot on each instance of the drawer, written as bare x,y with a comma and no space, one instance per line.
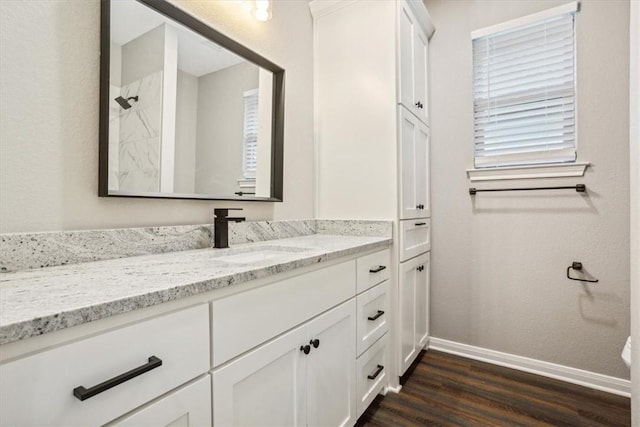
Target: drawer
38,390
371,373
415,237
243,321
189,406
373,269
372,315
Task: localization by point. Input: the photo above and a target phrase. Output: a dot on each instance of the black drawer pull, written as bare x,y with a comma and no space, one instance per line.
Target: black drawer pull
376,373
375,316
417,224
378,270
315,343
85,393
305,349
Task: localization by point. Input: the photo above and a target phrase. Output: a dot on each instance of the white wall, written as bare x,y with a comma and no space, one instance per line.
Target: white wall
49,80
499,260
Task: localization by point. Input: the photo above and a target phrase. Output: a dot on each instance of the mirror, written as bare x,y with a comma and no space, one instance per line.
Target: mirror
185,112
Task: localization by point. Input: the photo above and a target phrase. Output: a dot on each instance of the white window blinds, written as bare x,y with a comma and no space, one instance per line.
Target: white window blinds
524,91
250,150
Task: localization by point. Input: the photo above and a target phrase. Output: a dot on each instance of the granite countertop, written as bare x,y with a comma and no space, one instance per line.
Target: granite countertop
35,302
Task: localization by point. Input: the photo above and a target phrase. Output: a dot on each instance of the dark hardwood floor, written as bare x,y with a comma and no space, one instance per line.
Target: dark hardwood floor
449,390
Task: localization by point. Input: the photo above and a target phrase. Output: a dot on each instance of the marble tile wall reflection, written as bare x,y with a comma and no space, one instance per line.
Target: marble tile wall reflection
114,138
138,167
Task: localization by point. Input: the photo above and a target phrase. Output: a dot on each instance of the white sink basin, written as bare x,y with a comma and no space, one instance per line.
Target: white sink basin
257,254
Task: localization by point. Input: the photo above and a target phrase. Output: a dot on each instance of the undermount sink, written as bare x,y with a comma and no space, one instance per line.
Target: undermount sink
256,254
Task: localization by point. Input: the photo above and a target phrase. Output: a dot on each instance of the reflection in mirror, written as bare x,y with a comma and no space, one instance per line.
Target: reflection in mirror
187,117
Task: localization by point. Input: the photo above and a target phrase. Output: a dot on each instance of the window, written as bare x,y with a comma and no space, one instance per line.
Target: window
524,90
250,146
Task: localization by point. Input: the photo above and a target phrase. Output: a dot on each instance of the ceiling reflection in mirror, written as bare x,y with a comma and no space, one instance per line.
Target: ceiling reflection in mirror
186,116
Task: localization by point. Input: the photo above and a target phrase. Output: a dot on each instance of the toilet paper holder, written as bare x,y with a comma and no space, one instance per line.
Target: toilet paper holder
576,265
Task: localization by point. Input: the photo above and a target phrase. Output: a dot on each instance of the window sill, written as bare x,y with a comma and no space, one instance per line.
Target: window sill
528,172
247,183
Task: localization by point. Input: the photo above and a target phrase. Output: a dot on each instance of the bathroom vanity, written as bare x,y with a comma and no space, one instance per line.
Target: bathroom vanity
283,332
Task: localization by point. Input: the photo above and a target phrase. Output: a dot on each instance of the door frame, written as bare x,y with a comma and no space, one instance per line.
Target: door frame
634,155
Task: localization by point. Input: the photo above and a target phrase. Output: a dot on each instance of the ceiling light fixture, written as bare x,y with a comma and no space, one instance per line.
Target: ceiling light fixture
262,10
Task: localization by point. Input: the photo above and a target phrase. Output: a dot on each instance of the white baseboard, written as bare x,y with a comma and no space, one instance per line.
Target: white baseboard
593,380
395,390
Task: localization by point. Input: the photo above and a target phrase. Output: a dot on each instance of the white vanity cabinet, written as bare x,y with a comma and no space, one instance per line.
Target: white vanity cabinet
287,352
305,377
414,303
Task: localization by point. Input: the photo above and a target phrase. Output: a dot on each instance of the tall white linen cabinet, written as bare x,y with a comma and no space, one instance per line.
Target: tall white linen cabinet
372,143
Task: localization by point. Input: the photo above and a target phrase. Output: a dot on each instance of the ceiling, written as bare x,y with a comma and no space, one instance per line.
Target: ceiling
196,55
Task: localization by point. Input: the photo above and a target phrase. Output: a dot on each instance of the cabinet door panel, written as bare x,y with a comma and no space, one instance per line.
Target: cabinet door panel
408,278
414,166
422,303
265,387
187,407
413,308
421,159
420,49
331,399
406,90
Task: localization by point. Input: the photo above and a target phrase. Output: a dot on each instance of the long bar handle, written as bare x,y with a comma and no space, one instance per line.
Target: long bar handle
83,393
377,270
375,316
376,373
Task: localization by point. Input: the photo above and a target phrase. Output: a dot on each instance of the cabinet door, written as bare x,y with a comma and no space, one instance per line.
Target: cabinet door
265,387
407,289
413,308
420,58
422,302
331,379
187,407
412,74
414,167
406,80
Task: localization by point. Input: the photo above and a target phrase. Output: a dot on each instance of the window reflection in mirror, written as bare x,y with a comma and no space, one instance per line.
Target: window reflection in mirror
186,116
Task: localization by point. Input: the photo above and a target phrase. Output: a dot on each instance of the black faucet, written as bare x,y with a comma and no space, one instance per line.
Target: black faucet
221,226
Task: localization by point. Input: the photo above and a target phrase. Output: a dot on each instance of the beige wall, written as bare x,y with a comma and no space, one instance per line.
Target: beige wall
142,56
49,80
499,260
221,127
186,131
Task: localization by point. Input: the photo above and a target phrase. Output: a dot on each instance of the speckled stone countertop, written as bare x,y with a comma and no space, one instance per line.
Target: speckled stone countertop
35,302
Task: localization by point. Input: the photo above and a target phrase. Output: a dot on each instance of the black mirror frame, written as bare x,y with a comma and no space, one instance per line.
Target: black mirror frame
277,136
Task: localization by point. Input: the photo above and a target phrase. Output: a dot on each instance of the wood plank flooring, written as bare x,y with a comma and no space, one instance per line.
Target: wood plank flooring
449,390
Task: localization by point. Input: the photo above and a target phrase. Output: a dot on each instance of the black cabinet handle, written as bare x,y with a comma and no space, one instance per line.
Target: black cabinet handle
418,224
377,270
375,316
85,393
305,348
315,343
376,373
420,267
419,105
